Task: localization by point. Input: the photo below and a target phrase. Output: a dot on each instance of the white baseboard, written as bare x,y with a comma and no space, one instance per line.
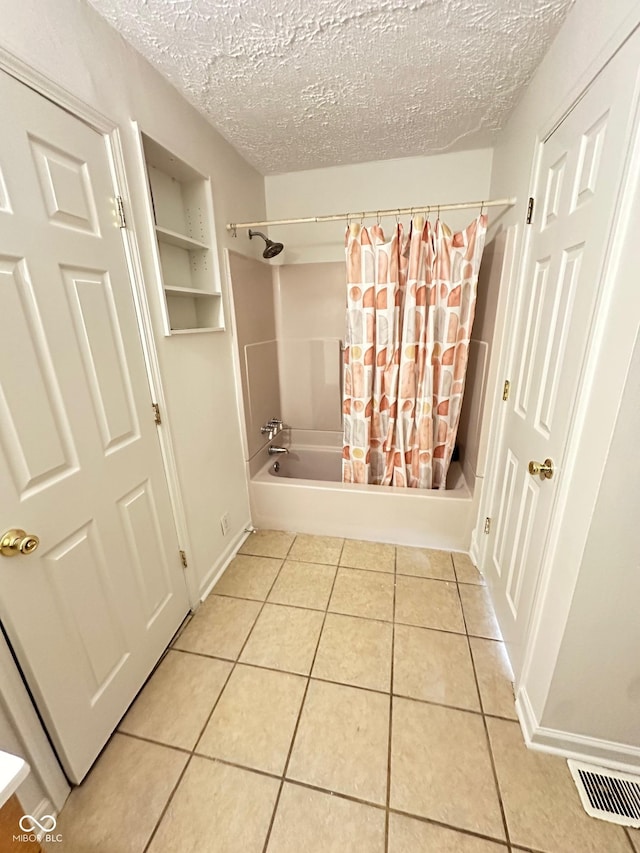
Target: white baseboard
44,807
617,756
474,550
219,567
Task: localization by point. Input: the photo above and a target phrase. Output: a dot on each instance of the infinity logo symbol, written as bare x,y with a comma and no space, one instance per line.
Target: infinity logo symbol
47,823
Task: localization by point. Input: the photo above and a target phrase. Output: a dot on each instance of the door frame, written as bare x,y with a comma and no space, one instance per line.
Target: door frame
14,695
588,439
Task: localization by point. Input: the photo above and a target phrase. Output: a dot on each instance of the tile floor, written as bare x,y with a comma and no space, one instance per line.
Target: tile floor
332,696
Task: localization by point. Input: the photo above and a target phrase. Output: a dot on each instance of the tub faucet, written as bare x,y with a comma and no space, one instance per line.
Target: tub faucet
274,450
272,427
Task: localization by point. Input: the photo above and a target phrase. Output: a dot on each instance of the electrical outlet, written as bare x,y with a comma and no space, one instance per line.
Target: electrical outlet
224,523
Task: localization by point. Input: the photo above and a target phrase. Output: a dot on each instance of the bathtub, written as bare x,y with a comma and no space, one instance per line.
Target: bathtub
302,491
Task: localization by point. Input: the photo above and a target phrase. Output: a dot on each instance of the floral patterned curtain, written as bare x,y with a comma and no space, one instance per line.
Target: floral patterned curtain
410,308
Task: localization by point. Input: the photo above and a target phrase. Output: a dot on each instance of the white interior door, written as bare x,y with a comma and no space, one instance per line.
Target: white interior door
576,192
89,613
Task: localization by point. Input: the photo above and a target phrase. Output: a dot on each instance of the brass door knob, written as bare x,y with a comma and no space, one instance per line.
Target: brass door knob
543,469
16,541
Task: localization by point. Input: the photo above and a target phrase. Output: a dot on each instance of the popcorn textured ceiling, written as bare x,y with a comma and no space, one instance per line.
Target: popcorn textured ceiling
301,84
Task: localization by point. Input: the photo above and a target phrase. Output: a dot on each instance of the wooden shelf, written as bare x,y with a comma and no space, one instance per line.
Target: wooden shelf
193,292
165,235
187,261
195,331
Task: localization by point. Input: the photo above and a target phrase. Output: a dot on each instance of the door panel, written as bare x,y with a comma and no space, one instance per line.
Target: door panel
577,189
91,611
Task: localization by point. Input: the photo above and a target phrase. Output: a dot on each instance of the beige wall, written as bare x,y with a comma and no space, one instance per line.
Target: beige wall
72,45
461,176
596,685
254,314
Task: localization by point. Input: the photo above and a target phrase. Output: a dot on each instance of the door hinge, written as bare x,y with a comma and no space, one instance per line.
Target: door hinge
156,413
506,390
183,559
487,525
530,211
122,222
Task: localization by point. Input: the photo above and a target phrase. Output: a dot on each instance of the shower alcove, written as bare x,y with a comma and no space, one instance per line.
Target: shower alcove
289,323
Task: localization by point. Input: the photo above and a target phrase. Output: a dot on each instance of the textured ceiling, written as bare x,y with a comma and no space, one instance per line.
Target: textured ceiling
300,84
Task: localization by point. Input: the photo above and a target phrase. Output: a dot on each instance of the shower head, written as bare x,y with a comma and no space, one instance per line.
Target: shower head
272,249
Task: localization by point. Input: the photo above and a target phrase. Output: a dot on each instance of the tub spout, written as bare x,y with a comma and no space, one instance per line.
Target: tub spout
274,450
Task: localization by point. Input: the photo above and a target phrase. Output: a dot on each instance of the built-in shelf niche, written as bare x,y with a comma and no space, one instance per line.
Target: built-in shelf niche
180,199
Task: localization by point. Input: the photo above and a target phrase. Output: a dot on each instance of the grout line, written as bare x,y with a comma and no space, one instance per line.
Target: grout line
355,615
339,794
182,749
215,705
486,728
302,704
452,826
389,744
167,804
627,832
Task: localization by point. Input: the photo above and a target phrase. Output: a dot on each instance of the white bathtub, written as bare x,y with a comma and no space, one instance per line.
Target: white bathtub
306,495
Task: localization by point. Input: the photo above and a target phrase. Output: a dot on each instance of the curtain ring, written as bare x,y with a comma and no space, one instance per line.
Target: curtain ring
398,217
378,217
362,218
482,208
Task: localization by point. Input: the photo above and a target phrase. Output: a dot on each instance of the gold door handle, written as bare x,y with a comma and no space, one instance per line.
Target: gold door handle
16,541
544,469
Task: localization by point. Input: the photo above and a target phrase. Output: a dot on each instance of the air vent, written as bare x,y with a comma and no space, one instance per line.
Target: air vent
608,794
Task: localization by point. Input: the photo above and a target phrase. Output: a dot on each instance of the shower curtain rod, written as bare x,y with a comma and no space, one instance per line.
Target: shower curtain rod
368,214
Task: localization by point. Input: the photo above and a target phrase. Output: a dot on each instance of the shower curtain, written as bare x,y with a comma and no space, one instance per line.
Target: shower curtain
410,308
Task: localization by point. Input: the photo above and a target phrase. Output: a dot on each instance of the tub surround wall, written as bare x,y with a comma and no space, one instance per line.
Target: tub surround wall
255,328
310,310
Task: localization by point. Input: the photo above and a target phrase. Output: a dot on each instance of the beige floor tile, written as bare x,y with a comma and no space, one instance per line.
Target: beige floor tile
219,627
634,835
424,563
284,638
119,803
368,555
407,835
183,681
355,651
314,822
478,612
441,767
255,718
361,593
428,604
342,741
268,543
495,677
466,572
303,585
248,577
316,549
541,803
218,808
435,666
